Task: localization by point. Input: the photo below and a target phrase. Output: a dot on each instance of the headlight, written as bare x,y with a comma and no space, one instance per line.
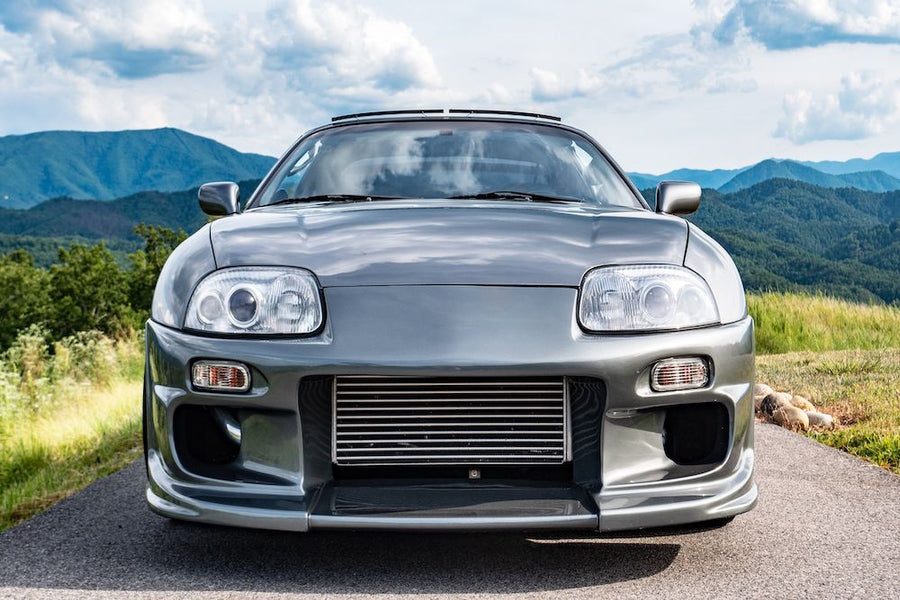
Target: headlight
642,298
258,300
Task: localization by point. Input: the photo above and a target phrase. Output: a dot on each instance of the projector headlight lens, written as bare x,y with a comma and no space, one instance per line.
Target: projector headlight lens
243,306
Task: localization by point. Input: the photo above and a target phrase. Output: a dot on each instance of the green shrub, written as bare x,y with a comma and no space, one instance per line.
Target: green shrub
34,377
26,364
147,263
23,300
86,356
88,291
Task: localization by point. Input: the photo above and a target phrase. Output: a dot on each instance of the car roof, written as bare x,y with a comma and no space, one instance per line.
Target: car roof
449,115
450,112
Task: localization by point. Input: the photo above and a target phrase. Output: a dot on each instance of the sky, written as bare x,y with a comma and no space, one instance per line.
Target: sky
661,84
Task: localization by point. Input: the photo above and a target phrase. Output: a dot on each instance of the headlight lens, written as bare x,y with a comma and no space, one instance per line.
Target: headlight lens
645,298
258,300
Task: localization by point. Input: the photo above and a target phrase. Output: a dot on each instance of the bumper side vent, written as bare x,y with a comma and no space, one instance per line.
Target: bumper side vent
696,434
450,421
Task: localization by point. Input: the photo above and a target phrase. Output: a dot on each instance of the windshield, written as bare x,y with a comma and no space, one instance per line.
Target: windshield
448,159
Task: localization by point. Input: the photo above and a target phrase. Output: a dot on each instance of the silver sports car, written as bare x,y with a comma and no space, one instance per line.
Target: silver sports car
449,320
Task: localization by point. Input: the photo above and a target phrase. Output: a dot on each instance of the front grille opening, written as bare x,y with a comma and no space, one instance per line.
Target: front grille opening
696,434
455,421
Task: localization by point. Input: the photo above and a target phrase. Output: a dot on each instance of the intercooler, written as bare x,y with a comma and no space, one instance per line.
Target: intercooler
450,421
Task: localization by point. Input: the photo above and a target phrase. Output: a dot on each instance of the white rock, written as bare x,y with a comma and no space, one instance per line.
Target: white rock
820,420
791,417
802,403
760,391
774,401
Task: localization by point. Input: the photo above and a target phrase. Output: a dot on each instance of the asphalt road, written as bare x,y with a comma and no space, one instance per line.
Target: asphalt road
827,525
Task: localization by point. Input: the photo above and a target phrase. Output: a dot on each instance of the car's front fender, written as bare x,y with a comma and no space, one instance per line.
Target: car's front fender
189,262
709,260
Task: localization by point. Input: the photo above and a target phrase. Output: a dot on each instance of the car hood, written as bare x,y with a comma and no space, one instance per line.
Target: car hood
443,243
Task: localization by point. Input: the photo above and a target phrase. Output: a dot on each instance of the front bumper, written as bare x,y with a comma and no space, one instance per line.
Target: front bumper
282,477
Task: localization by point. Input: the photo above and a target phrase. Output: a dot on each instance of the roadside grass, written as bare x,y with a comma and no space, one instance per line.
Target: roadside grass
67,418
860,387
796,322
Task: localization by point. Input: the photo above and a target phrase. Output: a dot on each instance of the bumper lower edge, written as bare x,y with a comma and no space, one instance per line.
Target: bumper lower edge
680,503
269,513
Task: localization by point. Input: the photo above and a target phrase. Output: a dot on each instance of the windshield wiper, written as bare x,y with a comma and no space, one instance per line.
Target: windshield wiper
335,198
515,197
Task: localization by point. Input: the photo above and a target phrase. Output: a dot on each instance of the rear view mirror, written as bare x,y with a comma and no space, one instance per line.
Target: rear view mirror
679,198
219,199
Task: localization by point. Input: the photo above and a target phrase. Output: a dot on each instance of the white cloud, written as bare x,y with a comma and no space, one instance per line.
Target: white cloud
786,24
863,107
298,63
546,85
661,67
132,38
728,84
343,48
119,108
39,95
497,94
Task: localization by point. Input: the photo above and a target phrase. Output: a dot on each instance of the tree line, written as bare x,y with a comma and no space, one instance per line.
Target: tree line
86,290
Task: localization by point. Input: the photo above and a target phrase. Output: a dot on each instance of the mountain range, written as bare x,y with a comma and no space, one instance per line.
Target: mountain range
107,165
878,174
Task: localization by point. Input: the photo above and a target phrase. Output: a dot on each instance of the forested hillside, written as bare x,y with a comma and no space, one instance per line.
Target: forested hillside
112,164
110,221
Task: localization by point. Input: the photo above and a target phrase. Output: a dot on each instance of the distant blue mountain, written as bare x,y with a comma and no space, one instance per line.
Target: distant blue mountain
643,181
107,165
706,179
784,169
871,181
889,162
732,180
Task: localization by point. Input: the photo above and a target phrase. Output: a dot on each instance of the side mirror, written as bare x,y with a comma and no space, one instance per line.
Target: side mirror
219,199
679,198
